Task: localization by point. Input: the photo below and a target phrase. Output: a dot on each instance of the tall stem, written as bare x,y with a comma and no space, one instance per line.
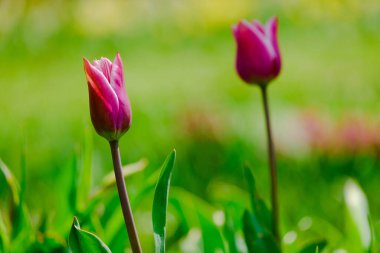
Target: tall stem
123,195
272,167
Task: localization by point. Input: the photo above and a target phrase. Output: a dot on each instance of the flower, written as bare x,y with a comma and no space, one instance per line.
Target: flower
110,108
258,59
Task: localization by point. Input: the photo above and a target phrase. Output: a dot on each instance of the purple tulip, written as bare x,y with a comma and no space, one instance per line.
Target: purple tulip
110,108
258,57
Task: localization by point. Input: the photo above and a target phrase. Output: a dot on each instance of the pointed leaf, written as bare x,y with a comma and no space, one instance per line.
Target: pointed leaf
85,170
212,239
160,203
229,233
4,240
109,180
18,215
357,204
251,183
314,247
259,209
257,239
10,181
250,233
81,241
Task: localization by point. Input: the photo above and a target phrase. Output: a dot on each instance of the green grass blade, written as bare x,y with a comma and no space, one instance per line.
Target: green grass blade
81,241
359,228
317,246
109,181
160,203
4,239
250,233
84,172
229,233
18,214
251,183
257,239
11,183
259,209
212,239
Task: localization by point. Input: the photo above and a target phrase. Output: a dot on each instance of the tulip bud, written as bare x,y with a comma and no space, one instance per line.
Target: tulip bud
110,108
258,59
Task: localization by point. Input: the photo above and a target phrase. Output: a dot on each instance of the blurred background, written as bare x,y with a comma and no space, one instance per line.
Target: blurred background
179,69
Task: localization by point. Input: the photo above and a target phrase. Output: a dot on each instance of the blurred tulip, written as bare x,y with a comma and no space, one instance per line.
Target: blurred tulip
258,57
110,108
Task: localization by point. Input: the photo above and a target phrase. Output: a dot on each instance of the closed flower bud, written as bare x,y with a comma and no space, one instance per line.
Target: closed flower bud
110,108
258,59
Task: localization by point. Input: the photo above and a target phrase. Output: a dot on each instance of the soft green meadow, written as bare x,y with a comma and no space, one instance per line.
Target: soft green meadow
185,94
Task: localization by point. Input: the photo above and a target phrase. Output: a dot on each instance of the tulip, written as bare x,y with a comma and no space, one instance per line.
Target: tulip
258,59
111,116
109,104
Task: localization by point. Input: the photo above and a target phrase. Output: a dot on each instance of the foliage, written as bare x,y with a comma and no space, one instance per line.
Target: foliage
81,241
160,203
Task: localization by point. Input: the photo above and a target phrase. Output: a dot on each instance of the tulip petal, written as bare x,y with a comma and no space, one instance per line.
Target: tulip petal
271,31
117,74
255,53
118,84
259,26
105,66
104,104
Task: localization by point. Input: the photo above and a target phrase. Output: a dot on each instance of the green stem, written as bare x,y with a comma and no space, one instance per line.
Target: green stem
272,167
123,195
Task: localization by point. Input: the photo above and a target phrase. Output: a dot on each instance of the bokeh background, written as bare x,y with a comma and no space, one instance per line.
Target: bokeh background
185,94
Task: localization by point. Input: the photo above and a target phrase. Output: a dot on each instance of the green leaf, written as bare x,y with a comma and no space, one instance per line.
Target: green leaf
4,240
250,233
359,229
160,203
81,241
183,227
229,233
314,247
109,180
257,239
18,236
212,239
372,246
21,222
11,182
85,170
73,191
265,244
259,209
251,183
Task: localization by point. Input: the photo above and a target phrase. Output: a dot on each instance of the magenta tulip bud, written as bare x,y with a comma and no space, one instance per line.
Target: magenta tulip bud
110,108
258,59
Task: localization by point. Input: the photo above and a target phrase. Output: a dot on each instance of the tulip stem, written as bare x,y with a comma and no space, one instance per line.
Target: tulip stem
272,167
123,195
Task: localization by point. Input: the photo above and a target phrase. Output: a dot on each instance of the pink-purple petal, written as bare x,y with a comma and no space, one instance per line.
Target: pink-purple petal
105,66
118,84
101,116
271,30
255,55
103,89
259,26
